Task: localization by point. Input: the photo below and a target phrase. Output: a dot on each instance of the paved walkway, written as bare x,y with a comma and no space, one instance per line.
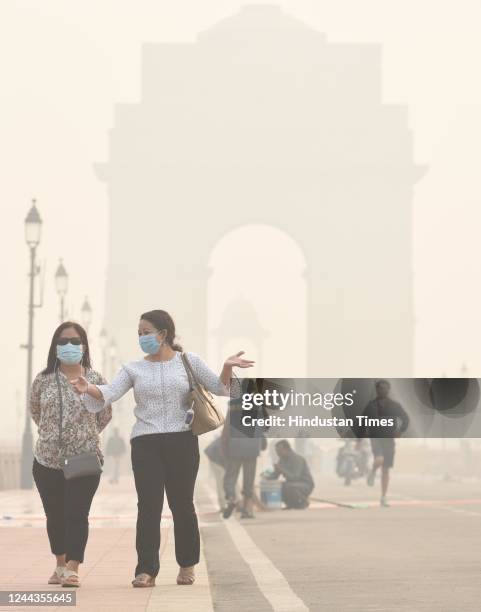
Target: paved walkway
420,555
109,561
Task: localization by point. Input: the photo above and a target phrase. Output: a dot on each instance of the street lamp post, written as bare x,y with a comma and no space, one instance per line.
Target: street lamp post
33,228
61,283
86,311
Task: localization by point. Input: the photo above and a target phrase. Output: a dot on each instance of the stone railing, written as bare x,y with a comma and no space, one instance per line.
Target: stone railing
9,468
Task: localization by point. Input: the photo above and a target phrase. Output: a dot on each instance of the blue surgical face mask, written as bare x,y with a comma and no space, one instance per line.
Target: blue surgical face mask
149,343
70,354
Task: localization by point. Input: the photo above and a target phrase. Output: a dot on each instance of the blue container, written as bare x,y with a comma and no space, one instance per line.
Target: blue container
271,493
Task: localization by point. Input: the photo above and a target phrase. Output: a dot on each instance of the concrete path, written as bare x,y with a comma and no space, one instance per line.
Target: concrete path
419,555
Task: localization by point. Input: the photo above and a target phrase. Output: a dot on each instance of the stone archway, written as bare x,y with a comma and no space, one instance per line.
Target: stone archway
256,300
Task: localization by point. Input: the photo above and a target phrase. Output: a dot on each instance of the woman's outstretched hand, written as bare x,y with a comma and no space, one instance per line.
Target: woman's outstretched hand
80,384
237,361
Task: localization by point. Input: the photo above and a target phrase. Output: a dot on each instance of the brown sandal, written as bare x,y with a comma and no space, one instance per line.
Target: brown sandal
186,575
70,579
143,581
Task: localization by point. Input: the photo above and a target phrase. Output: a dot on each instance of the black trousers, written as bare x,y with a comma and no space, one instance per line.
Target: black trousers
167,461
67,506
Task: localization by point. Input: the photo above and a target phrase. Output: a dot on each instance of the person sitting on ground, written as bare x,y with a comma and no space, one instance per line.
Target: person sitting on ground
298,483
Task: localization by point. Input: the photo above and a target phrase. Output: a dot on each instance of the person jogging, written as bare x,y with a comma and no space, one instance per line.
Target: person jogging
382,436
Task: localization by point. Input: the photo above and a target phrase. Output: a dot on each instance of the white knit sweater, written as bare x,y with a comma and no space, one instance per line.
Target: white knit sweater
160,392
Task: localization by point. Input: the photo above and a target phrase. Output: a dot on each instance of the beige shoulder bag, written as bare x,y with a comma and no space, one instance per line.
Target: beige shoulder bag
207,416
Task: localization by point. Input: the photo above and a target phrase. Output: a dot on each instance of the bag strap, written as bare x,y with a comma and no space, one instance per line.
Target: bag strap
61,409
190,372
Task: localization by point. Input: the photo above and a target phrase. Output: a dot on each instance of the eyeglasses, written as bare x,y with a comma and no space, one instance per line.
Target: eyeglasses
63,341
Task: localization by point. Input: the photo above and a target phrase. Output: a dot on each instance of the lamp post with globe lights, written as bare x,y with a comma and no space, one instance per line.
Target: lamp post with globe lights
86,312
33,231
61,284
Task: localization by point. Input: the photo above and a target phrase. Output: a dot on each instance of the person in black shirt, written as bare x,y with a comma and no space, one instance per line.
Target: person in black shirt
382,436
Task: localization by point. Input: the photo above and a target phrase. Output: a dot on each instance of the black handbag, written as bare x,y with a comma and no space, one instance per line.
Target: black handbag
83,464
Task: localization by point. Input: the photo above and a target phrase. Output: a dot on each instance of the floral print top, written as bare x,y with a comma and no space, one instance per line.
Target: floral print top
80,428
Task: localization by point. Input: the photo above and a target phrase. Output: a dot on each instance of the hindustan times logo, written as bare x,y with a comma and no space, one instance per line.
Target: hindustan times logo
278,400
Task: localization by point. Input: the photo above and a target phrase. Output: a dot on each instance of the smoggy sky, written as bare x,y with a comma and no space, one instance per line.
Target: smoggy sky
64,65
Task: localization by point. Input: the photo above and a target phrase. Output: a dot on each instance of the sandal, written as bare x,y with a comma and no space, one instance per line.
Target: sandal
70,579
143,581
186,575
56,577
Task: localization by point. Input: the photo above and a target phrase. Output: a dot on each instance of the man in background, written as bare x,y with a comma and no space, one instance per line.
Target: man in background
382,437
298,484
240,452
115,449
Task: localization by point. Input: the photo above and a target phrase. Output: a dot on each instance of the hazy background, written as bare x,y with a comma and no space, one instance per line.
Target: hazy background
63,67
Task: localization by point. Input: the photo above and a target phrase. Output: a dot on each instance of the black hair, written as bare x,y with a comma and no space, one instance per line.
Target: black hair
52,353
161,320
382,381
283,443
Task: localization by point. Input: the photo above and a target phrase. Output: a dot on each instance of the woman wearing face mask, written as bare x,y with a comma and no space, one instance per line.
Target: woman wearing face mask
164,451
66,502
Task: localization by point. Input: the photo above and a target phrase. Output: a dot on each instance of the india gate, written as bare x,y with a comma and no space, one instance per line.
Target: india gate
263,120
